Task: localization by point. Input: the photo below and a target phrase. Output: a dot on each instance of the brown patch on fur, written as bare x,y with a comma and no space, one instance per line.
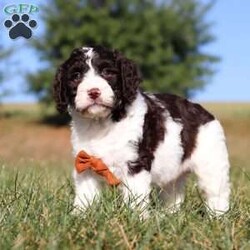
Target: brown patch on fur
66,83
190,115
153,134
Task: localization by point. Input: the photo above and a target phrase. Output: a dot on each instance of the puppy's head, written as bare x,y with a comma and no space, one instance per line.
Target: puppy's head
96,82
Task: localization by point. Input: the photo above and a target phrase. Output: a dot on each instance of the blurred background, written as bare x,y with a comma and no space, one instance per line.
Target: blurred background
194,48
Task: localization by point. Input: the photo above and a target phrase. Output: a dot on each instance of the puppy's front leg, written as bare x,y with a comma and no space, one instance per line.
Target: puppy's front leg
87,189
136,191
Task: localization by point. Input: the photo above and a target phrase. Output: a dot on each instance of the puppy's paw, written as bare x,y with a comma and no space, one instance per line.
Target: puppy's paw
173,209
76,211
144,215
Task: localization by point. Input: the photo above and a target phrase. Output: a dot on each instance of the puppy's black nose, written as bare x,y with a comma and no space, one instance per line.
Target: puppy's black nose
94,93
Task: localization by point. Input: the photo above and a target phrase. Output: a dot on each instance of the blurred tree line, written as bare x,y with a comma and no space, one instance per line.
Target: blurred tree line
166,38
4,53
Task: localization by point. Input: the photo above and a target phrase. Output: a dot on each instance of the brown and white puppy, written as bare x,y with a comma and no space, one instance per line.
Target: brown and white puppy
143,138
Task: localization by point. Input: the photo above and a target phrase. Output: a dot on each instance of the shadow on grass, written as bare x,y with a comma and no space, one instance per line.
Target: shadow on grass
52,119
11,114
56,120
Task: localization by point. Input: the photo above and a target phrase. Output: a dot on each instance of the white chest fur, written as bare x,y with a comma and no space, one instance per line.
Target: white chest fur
113,142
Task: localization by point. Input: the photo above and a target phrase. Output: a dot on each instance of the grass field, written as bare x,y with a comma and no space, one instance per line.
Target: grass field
36,194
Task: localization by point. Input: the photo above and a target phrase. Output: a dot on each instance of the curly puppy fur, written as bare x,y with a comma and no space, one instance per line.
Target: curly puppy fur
145,139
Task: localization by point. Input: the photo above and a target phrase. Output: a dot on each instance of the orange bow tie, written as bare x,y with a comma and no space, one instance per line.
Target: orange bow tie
84,161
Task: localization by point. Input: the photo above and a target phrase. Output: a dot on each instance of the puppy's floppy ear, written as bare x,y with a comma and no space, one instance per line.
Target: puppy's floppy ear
60,91
128,83
130,79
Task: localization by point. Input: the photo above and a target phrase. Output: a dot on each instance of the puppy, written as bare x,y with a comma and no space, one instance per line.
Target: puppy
144,139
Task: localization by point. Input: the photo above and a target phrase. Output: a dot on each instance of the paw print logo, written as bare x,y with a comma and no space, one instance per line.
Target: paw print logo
20,26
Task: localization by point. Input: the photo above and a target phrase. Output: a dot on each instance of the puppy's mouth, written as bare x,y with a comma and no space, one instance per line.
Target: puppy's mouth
94,105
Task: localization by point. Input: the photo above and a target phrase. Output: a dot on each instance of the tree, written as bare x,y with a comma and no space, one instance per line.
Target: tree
4,53
166,38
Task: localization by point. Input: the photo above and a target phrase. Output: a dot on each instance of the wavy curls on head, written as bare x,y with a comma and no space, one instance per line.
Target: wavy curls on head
64,89
60,91
129,81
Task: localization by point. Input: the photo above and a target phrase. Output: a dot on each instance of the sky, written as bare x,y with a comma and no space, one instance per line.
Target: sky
230,24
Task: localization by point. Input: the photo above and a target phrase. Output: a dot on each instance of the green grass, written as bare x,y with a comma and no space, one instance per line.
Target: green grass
36,195
36,205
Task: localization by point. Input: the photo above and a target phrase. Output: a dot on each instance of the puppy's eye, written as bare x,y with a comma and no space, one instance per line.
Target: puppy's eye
109,72
76,76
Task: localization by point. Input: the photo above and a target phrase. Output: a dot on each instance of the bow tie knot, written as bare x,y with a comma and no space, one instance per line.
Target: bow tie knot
84,161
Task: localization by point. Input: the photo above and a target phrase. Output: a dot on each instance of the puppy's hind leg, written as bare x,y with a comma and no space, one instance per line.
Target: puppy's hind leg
211,165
